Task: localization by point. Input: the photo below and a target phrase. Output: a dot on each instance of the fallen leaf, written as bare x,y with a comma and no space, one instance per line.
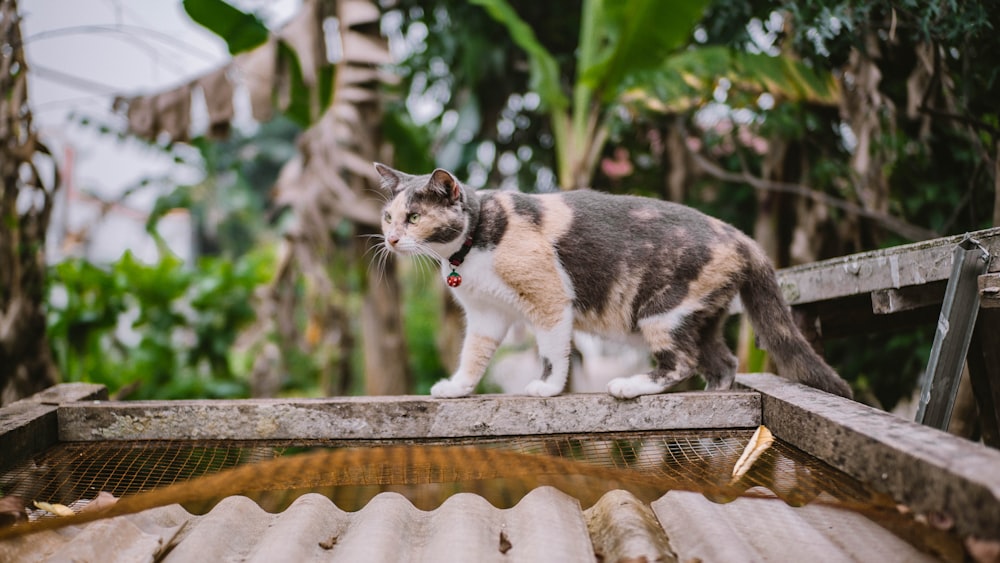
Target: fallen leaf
329,543
505,544
103,500
57,509
759,443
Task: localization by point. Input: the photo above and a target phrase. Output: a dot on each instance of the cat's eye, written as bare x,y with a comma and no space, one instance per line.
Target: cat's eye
387,217
412,218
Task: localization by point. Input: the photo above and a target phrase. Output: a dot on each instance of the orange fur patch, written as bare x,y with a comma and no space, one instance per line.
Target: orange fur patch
525,260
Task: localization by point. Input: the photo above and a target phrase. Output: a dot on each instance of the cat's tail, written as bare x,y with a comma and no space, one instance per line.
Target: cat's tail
772,320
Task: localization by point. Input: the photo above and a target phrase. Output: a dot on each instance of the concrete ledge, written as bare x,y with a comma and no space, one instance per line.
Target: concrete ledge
31,425
928,470
394,418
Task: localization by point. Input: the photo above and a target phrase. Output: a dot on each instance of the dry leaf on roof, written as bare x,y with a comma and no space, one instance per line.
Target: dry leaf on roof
759,443
103,500
505,544
54,508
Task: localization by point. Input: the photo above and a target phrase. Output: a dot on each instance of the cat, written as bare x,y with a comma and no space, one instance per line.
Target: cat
618,266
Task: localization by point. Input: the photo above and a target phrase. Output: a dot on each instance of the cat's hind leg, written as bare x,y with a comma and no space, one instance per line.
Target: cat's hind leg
675,350
716,362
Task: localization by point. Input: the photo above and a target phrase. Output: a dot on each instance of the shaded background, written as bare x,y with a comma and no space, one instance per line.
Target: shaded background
209,228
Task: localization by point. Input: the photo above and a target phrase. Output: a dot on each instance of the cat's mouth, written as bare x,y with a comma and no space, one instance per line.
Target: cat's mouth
403,247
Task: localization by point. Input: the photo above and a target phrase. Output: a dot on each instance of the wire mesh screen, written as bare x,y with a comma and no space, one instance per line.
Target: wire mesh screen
502,471
199,474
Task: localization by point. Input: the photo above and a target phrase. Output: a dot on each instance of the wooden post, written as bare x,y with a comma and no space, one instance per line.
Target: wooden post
984,360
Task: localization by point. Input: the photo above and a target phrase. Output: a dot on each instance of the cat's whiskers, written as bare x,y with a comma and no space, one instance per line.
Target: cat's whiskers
426,258
426,266
380,194
380,255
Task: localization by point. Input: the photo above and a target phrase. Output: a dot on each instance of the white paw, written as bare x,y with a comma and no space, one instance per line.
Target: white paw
539,388
449,389
631,387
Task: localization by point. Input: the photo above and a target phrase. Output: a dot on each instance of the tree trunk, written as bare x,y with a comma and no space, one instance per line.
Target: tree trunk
677,156
451,332
26,364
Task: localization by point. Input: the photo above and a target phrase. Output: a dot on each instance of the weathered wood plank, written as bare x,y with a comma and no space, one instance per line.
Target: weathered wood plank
896,267
984,373
392,418
989,291
892,301
31,425
924,468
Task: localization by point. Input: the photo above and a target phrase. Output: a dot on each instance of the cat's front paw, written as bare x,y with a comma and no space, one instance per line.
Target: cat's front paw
632,387
449,389
539,388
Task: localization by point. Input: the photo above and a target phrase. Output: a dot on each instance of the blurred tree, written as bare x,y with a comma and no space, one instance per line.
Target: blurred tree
330,182
25,205
783,119
231,206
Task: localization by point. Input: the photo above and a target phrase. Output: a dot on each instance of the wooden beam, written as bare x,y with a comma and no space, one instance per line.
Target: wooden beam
928,470
896,267
897,300
989,291
404,418
30,425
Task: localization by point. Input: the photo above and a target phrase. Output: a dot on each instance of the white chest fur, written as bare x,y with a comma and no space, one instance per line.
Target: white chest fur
481,286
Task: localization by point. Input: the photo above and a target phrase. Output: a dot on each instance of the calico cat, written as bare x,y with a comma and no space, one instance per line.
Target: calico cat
617,266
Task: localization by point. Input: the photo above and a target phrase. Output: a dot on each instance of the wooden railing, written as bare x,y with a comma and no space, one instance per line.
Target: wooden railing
951,281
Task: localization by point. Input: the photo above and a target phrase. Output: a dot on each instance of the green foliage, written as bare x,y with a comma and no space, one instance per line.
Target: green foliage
545,78
409,140
240,30
156,331
686,81
230,206
305,102
887,366
421,317
633,36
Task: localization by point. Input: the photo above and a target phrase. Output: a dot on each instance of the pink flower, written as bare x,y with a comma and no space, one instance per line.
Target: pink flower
618,167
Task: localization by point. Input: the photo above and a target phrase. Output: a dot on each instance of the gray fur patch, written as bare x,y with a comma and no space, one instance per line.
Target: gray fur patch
492,222
614,236
527,206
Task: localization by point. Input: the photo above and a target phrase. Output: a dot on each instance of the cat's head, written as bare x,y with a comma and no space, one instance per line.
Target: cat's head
425,214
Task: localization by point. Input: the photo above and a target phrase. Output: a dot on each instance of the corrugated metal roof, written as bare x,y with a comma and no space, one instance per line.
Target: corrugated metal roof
547,525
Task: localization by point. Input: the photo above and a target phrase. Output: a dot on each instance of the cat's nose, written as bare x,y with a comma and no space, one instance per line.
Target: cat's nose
392,239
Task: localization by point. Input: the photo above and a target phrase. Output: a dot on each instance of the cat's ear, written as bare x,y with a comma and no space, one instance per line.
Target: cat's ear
391,179
444,182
